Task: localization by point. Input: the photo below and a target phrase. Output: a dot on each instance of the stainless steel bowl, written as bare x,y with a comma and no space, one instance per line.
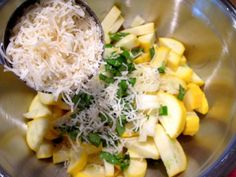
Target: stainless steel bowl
207,28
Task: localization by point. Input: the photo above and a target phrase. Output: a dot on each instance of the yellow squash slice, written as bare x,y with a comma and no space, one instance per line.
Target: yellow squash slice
171,152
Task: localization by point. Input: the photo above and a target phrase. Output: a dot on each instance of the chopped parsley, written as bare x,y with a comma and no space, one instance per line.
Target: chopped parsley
163,111
182,92
122,90
108,46
122,160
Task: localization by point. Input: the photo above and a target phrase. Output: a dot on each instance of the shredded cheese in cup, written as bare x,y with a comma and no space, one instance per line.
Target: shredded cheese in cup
55,47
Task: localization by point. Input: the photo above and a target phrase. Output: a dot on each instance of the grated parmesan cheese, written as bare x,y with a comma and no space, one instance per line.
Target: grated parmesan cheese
55,47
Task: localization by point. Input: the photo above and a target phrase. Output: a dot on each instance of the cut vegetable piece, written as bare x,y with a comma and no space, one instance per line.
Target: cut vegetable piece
107,38
92,170
160,57
171,152
144,58
128,42
147,41
51,133
170,84
172,44
193,97
197,80
147,102
35,132
91,149
129,133
185,73
56,113
109,51
37,109
78,161
192,124
174,122
46,98
45,150
134,155
173,60
109,169
148,126
117,25
138,20
203,109
110,19
141,30
60,155
147,150
62,105
137,168
183,61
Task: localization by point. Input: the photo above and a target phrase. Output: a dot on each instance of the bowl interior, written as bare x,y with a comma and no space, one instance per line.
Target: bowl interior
207,30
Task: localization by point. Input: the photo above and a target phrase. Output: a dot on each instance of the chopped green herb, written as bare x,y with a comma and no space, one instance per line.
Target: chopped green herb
120,125
163,111
131,67
122,90
108,46
82,100
71,131
117,36
123,160
182,92
126,54
162,69
114,62
105,118
106,79
136,52
152,52
94,139
132,81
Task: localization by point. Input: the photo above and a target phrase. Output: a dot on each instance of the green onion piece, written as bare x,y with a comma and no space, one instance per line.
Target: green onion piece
108,46
182,92
126,54
152,52
163,111
162,69
132,81
106,79
115,37
94,139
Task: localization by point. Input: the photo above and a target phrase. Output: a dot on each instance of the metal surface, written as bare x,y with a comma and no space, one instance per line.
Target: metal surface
208,30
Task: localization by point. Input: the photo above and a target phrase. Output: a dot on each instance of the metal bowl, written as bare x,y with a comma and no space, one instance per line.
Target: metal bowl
207,28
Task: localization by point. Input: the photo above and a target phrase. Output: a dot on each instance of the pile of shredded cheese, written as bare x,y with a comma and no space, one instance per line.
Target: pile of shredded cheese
55,47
